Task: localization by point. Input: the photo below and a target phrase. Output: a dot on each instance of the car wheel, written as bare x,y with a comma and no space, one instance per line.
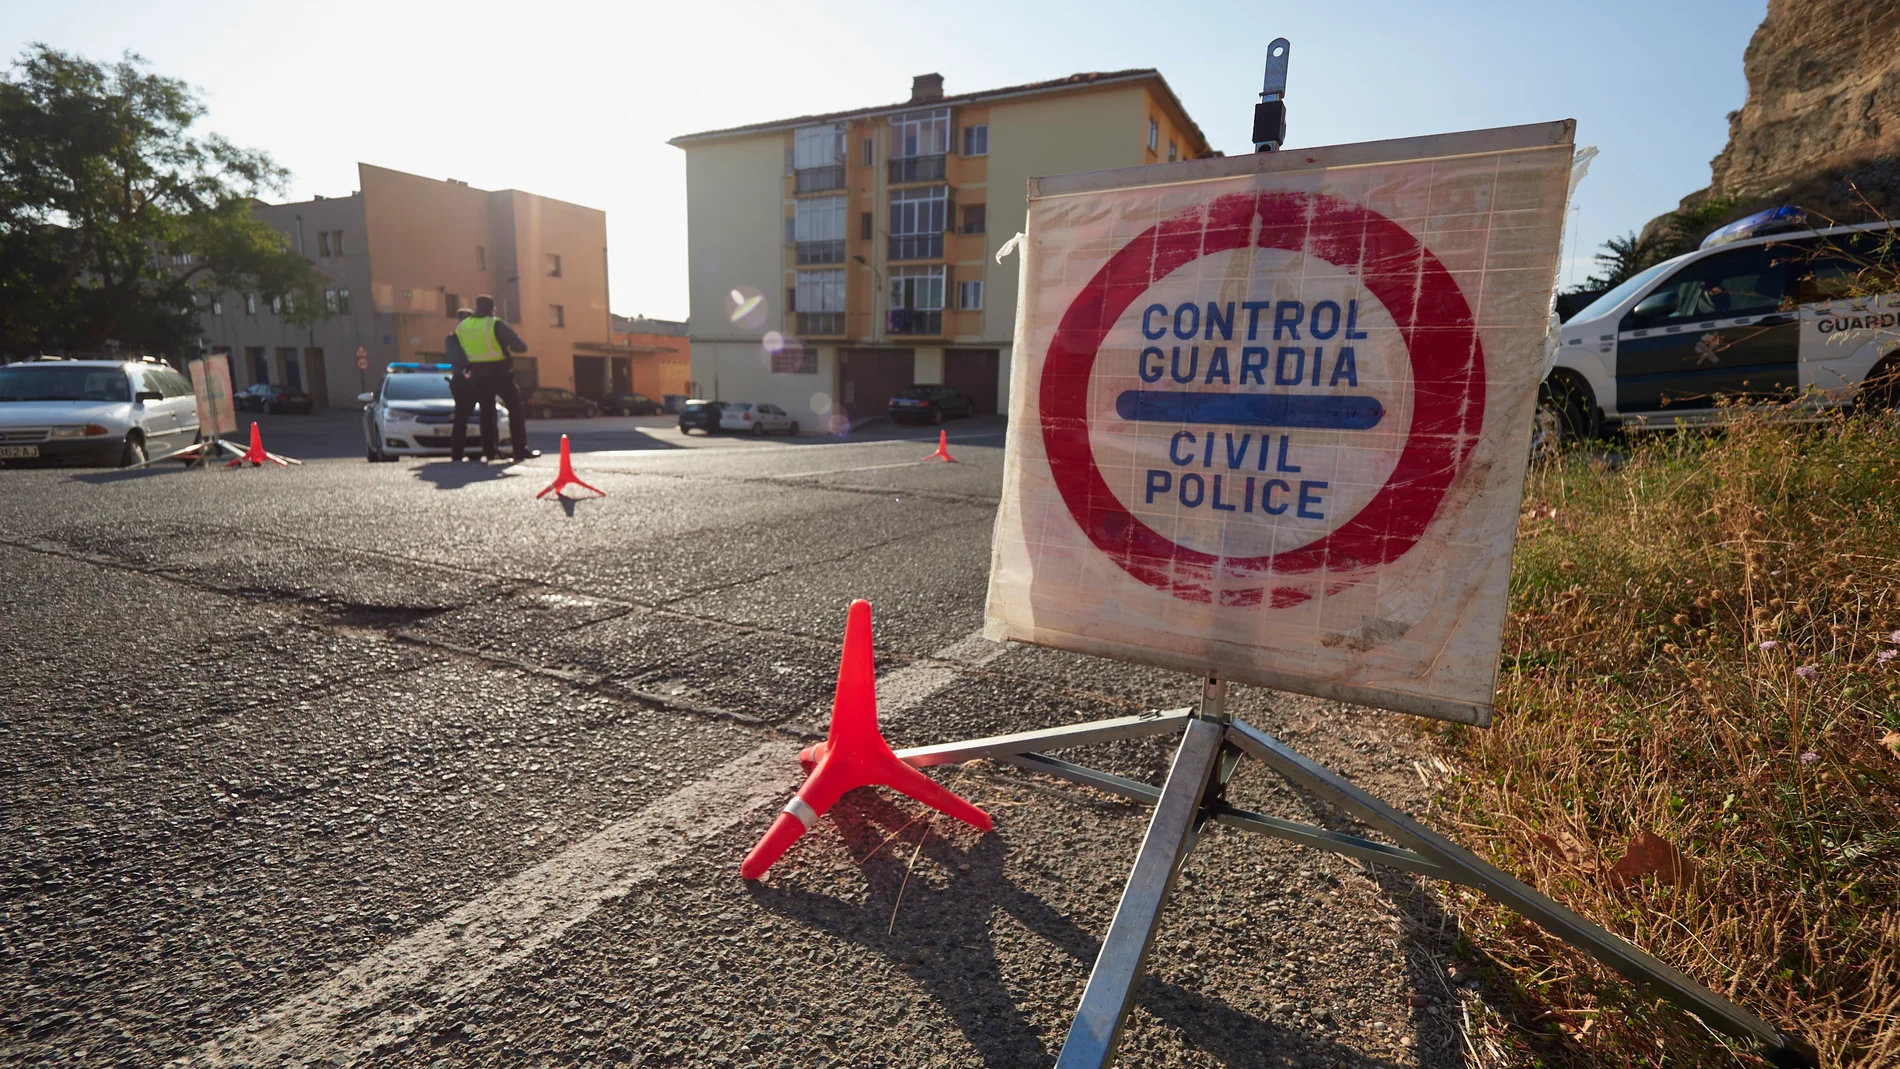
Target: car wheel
1565,411
792,431
134,451
758,430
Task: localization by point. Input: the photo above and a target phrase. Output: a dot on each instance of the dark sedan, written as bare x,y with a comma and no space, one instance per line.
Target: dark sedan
929,404
272,397
551,402
700,416
630,404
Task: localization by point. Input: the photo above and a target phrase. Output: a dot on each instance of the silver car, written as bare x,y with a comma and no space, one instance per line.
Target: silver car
413,412
110,413
755,419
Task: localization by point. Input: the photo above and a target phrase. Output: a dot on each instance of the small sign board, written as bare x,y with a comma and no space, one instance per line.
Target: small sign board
1271,413
211,384
362,358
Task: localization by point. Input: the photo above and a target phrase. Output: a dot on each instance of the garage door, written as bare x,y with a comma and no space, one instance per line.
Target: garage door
973,372
869,378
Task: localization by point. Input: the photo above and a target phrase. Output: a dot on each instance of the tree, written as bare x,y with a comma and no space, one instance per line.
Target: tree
115,221
1625,256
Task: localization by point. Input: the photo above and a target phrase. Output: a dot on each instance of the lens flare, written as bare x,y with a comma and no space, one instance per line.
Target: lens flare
773,341
745,307
821,403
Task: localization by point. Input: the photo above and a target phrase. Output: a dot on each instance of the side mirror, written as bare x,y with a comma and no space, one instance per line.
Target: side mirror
1656,305
366,398
147,395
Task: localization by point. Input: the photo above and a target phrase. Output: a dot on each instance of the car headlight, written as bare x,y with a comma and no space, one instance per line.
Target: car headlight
90,430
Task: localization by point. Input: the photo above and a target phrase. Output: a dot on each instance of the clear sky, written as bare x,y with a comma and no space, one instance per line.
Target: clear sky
576,100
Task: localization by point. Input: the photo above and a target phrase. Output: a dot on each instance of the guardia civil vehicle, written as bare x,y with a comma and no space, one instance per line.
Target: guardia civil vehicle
1768,309
412,413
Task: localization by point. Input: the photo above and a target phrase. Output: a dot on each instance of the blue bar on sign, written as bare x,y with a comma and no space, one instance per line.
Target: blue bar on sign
1317,411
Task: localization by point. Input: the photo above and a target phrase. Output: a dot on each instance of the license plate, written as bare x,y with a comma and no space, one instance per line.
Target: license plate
19,450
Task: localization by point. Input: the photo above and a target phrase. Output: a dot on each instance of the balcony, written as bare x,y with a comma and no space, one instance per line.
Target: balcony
915,321
916,169
915,247
820,324
819,179
821,252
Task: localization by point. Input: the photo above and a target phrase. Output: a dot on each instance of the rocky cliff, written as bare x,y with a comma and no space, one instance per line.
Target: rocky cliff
1823,95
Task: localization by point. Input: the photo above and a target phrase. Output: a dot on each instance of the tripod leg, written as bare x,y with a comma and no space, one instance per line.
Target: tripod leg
1098,1020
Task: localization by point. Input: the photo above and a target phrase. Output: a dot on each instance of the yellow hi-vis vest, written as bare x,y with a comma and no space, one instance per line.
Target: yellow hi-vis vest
477,335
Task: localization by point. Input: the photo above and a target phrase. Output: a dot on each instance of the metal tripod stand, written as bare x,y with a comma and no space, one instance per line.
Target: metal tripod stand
1212,745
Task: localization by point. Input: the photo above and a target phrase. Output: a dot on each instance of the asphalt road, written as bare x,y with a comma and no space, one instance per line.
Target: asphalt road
354,764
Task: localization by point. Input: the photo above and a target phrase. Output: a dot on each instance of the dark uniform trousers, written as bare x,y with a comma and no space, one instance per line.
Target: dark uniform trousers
488,380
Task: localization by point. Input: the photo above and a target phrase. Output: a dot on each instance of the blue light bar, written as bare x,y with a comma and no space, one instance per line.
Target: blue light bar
410,366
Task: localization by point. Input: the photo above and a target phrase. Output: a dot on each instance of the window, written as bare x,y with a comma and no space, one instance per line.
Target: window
1154,133
554,266
259,364
916,300
1173,152
451,301
791,298
918,220
276,306
865,226
973,218
970,295
818,229
323,243
481,258
976,140
217,306
1746,281
250,304
336,242
557,315
818,146
329,300
867,152
343,301
819,291
920,133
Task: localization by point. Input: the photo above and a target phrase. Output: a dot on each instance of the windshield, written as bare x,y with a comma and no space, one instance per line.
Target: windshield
417,387
1603,304
23,383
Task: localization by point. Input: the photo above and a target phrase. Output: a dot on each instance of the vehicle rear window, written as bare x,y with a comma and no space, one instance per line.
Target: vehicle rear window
414,386
699,406
920,393
30,383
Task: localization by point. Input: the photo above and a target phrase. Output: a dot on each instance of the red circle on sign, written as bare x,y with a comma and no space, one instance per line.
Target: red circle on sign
1441,338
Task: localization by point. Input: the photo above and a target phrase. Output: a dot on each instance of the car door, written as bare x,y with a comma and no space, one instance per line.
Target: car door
1715,327
178,394
157,419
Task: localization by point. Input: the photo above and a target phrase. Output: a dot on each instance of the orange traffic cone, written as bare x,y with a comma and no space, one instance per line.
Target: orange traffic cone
256,455
853,755
566,477
943,449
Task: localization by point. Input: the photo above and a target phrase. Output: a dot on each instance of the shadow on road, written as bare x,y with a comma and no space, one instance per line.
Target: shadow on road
448,475
949,946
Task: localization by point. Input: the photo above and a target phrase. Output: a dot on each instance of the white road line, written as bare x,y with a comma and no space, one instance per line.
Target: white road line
841,471
388,995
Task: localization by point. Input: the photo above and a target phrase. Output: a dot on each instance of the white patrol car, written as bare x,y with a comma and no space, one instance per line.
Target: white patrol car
1747,317
113,413
412,413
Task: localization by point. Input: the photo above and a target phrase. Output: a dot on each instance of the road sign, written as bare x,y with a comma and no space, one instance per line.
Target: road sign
211,383
1276,410
362,358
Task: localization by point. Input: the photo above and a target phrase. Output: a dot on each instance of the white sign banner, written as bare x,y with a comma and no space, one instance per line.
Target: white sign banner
1270,414
211,383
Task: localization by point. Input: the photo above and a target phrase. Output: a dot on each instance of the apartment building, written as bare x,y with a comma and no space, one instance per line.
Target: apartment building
400,255
835,259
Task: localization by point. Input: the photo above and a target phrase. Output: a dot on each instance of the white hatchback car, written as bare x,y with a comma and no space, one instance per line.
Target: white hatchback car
756,419
412,413
111,413
1799,315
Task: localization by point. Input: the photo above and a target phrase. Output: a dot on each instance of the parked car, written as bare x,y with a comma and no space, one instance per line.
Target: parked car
698,415
111,413
273,397
929,404
552,402
412,413
755,419
1748,317
630,404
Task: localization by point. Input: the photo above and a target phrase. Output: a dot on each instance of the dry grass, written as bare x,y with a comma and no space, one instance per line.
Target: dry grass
1698,646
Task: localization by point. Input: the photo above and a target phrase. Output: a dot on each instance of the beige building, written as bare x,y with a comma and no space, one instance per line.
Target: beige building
401,254
835,259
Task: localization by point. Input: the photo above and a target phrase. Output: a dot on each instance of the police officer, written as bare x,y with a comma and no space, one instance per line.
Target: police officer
487,343
459,388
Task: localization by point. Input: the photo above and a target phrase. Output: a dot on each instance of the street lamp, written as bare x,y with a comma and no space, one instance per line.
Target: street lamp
877,328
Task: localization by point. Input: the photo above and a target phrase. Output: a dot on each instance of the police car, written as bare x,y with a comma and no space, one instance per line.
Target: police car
1766,310
413,412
